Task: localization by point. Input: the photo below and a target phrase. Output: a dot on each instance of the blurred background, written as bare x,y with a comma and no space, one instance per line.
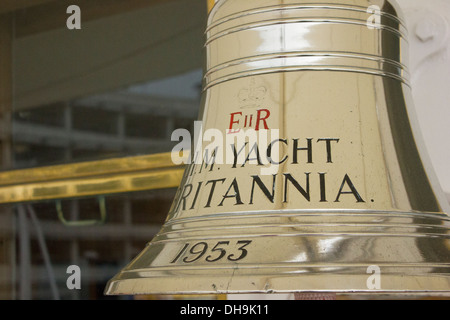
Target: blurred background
117,88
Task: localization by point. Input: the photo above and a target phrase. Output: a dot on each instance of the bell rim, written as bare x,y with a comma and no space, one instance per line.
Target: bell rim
399,275
394,285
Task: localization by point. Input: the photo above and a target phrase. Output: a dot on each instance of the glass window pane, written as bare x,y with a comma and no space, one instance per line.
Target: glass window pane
115,88
48,247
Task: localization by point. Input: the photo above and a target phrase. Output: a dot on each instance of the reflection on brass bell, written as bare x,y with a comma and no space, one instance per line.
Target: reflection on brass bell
332,192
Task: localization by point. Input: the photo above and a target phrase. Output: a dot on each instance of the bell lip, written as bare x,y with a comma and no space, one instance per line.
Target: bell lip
413,286
421,278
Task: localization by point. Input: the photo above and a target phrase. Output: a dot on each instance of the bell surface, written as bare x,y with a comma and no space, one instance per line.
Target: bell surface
315,179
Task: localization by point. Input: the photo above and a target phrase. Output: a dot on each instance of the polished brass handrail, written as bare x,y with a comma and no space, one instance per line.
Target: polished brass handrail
93,178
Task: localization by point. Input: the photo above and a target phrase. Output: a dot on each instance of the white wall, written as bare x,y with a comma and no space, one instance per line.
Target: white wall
428,24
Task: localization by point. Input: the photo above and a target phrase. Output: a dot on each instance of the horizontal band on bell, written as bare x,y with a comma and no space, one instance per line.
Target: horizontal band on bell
265,281
306,6
315,20
309,54
243,74
296,61
361,224
292,268
427,216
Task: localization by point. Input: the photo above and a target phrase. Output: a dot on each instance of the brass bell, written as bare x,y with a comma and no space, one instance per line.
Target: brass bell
320,183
